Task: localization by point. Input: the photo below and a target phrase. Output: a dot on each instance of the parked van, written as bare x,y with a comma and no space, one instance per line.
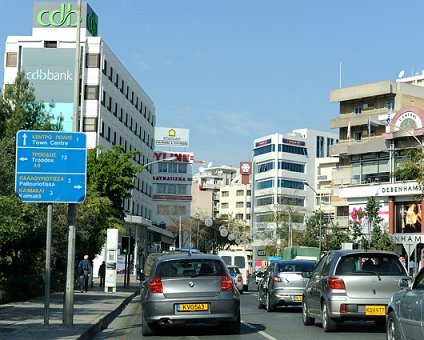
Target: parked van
237,258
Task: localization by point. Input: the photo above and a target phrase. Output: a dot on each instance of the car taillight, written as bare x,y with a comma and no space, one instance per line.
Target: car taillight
155,286
226,284
343,309
335,283
239,279
276,279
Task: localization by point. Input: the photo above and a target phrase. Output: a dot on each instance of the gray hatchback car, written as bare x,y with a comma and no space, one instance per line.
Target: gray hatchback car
189,288
283,283
352,285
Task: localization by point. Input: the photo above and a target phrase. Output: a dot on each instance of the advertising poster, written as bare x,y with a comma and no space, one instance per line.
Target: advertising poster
408,217
51,72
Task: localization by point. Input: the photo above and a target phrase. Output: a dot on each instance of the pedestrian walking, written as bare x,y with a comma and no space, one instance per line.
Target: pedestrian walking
84,271
102,273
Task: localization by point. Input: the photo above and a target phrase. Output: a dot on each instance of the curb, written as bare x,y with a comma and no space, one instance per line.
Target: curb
102,322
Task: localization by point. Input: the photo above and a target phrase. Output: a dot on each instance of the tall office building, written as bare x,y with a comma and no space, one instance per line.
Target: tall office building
114,109
282,163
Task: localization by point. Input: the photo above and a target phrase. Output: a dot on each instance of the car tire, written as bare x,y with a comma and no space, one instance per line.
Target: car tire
146,329
328,324
307,320
392,327
268,305
261,305
234,326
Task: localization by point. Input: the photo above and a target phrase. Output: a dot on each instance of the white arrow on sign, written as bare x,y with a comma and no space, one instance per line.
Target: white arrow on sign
23,159
24,137
78,187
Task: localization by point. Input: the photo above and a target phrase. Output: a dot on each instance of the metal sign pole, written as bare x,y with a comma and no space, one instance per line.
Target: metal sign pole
48,268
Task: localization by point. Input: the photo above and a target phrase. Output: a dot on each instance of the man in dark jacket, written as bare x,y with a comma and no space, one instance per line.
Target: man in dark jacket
102,273
84,271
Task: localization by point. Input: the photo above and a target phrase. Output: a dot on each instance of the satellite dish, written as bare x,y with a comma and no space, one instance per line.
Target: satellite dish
210,164
401,74
201,169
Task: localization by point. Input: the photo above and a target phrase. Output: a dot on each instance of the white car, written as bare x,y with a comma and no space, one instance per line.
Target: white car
237,277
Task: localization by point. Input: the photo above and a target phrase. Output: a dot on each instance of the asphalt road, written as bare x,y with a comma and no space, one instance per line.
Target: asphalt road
257,324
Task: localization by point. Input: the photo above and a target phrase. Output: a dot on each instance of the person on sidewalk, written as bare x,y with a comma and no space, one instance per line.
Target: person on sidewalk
102,273
84,268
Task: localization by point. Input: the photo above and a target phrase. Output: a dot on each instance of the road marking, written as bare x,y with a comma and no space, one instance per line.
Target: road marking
266,335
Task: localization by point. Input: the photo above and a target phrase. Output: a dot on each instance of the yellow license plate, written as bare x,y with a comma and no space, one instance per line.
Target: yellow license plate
298,298
375,310
192,307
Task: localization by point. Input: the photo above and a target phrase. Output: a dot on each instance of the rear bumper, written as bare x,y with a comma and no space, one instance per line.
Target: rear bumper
165,312
282,297
356,309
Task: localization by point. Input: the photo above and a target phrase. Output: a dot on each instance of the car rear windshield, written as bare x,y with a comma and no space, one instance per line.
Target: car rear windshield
298,267
370,264
190,268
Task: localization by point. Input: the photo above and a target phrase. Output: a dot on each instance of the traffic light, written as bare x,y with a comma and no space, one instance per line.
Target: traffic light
132,245
125,244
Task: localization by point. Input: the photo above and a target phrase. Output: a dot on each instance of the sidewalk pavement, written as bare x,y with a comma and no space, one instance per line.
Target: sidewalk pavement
93,311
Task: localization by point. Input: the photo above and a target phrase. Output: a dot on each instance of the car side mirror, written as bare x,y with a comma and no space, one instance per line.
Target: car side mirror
306,275
404,283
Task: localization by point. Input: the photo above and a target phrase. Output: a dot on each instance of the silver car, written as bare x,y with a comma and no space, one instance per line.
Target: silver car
189,288
283,283
405,314
237,277
352,285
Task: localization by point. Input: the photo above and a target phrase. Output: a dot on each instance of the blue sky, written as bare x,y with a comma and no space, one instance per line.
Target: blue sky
235,70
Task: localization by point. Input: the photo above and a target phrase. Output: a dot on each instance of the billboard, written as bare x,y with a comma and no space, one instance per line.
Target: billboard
171,137
408,217
64,15
51,71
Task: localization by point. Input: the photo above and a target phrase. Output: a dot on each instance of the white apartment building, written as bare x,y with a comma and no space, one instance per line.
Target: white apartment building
114,109
282,163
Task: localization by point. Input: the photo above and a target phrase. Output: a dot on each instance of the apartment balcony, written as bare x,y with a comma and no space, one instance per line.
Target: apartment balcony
358,147
342,121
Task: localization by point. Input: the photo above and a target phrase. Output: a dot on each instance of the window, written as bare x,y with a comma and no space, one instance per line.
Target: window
90,124
264,150
320,147
11,59
91,92
248,204
293,149
390,104
50,44
264,201
225,194
239,204
284,183
239,216
291,166
265,167
93,60
224,205
265,184
357,110
239,192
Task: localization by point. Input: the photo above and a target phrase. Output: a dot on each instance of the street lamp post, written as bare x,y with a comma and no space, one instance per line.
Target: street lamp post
320,215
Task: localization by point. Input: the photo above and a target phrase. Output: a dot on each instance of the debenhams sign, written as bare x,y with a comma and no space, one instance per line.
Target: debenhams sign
400,189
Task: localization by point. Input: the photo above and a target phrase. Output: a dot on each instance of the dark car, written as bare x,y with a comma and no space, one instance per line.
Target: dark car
352,285
405,314
283,283
189,288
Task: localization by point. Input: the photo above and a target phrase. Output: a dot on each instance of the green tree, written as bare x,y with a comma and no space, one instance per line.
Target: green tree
312,233
379,238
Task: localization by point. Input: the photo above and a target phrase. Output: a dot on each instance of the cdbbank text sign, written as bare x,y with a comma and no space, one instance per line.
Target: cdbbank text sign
64,15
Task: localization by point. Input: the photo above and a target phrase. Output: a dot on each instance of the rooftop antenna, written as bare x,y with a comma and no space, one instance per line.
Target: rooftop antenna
340,75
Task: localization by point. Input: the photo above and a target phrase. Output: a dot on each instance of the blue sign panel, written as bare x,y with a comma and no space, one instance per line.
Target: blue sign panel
51,166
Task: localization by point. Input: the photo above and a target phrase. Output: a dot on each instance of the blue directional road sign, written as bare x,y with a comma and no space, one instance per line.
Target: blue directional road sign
51,166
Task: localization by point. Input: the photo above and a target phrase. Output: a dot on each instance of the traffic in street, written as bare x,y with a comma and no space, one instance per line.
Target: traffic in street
284,323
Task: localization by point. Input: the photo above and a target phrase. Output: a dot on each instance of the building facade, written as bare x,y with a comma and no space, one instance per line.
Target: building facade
113,108
282,163
377,123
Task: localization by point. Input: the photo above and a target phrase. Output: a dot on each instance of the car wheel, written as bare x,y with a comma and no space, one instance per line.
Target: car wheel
234,326
146,329
392,327
328,324
269,306
307,320
260,303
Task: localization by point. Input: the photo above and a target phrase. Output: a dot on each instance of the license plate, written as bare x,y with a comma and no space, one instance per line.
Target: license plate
375,310
296,297
192,307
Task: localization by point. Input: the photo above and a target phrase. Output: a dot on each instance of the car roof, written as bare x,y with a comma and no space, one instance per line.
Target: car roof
186,256
344,252
295,261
